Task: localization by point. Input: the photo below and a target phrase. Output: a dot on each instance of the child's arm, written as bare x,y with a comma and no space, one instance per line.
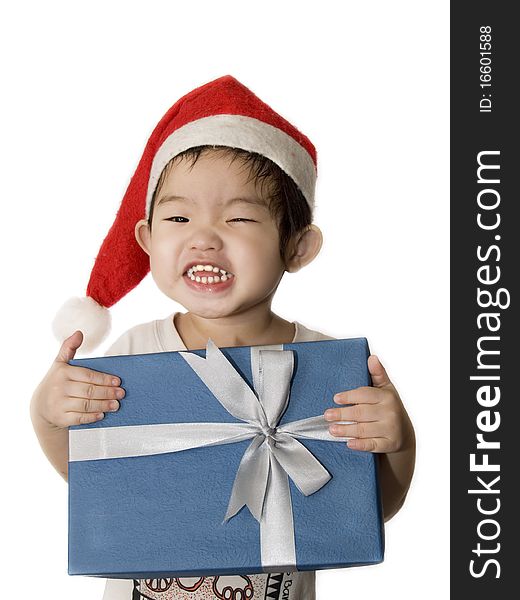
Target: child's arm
395,475
381,424
70,395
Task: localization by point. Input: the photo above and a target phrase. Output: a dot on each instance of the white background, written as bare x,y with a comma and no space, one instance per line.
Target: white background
83,86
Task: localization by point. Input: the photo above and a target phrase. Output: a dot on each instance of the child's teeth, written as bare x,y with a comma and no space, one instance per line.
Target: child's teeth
209,269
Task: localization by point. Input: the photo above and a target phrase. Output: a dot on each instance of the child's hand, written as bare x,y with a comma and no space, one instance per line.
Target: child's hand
381,423
71,395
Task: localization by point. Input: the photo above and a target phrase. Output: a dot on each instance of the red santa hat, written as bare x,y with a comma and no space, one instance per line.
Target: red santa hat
222,112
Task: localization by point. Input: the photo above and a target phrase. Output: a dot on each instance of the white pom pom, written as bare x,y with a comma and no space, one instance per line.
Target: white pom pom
85,314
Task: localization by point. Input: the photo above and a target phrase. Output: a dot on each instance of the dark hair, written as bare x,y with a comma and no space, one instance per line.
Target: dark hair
287,204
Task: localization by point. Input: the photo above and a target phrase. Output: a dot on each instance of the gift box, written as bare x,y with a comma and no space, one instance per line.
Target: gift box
219,462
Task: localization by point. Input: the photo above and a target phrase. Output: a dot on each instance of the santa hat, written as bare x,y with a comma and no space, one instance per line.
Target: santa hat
222,112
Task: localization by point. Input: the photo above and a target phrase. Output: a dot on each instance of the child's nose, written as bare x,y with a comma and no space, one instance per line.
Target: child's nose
205,238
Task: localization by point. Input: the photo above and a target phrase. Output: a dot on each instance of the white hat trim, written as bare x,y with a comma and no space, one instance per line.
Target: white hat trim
238,131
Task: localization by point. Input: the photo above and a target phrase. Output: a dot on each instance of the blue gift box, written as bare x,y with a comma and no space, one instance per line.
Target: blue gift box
163,514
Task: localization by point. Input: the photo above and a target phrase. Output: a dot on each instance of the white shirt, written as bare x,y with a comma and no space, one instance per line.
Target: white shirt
162,336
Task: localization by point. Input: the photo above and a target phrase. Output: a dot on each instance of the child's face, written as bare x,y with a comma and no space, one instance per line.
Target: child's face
201,216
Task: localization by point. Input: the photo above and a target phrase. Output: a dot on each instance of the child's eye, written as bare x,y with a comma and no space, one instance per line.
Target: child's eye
243,219
174,219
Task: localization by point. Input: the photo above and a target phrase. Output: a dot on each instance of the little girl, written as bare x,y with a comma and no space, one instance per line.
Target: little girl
219,208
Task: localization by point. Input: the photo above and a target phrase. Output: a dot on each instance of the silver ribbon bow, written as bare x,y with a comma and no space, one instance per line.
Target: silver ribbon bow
274,455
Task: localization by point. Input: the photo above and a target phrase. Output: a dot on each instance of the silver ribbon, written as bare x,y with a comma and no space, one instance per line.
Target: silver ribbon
274,455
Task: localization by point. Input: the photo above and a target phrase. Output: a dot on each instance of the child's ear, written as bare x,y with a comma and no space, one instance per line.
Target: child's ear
304,248
143,235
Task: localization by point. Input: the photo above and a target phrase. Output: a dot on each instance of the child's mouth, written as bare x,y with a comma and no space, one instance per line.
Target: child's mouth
208,278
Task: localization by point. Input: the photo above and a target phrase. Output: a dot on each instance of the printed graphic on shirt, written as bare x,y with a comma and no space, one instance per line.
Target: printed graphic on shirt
269,586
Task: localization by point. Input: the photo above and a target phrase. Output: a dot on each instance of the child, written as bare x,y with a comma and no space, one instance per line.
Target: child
219,208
